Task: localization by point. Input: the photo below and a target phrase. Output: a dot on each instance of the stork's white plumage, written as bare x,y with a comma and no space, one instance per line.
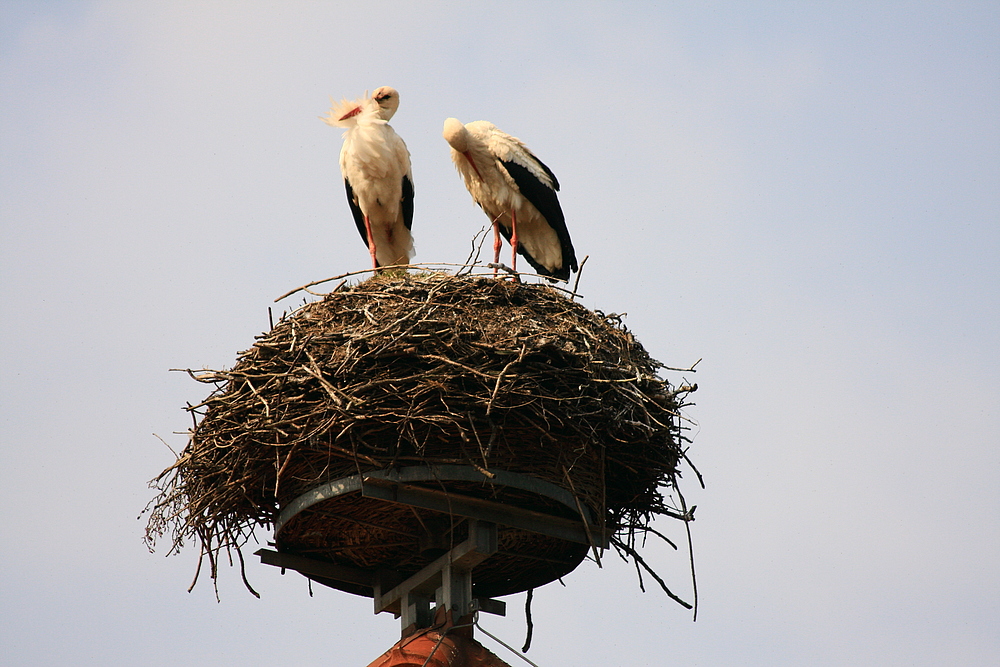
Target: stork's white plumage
517,192
376,168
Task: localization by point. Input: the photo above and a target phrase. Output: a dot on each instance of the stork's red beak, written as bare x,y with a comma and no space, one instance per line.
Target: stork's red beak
468,156
353,112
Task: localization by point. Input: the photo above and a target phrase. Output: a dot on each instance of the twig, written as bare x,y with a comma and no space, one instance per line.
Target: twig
496,387
583,517
176,456
197,570
639,561
527,620
649,529
324,280
281,470
473,257
579,272
689,369
503,267
243,573
267,408
701,480
694,577
422,265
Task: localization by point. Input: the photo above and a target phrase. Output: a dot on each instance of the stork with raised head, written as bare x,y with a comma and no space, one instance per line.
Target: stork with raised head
376,168
517,192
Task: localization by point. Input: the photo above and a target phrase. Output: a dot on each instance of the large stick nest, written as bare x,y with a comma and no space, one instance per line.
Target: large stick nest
423,370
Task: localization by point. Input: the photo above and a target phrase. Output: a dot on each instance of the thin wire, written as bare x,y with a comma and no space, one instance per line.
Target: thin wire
431,654
475,620
441,639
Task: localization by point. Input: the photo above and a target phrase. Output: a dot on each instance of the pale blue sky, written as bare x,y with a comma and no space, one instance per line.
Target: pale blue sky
805,195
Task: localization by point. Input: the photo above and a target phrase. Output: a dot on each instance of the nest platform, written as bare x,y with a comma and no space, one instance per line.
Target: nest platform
487,390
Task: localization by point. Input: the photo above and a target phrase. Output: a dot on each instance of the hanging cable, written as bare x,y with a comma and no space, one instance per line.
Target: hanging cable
501,642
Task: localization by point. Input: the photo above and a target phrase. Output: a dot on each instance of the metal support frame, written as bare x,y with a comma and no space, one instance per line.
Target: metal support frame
448,579
398,486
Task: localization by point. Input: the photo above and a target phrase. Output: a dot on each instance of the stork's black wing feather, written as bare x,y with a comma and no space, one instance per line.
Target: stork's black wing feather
359,217
407,202
555,181
546,201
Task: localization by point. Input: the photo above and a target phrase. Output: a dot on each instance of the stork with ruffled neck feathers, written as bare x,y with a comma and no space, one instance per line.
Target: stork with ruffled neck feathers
375,165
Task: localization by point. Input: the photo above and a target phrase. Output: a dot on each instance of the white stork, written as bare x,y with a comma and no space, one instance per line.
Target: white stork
376,168
517,192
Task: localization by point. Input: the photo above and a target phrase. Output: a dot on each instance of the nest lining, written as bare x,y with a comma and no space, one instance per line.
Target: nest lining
428,369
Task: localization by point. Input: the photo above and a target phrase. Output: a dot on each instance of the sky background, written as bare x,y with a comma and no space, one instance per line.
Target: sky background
806,196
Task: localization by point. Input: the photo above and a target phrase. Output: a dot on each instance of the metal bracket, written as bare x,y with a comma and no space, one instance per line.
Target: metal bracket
447,580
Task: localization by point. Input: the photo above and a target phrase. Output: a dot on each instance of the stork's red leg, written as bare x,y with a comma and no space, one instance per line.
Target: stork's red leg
513,240
496,244
371,242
